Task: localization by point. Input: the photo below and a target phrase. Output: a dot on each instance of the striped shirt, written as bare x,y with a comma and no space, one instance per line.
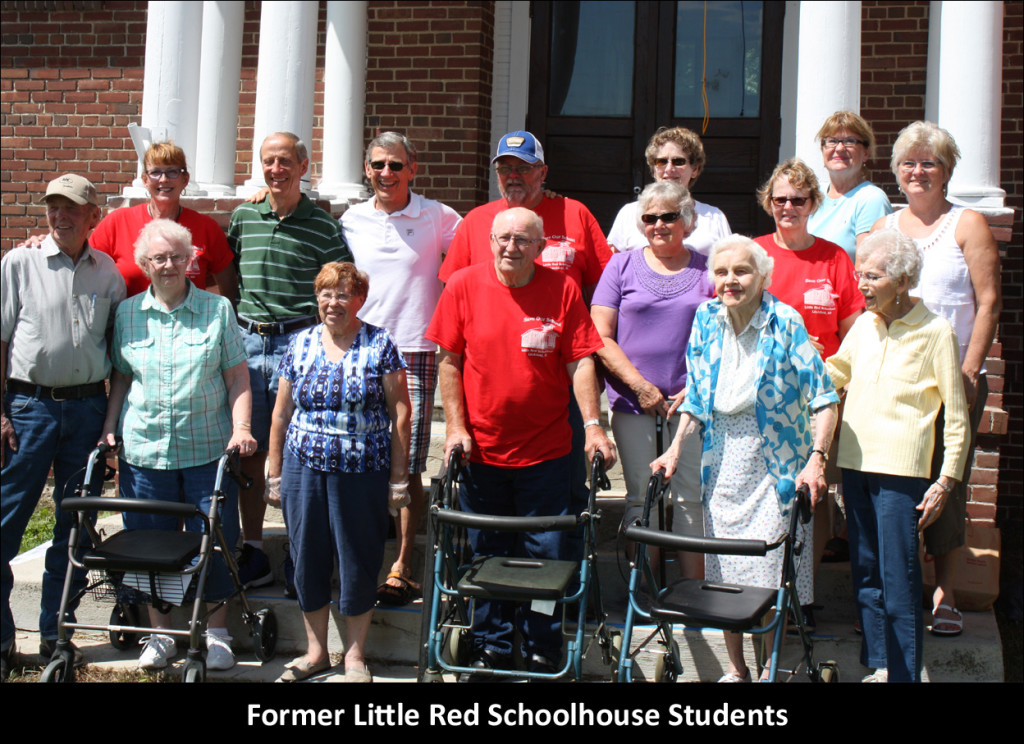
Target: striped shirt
278,259
176,413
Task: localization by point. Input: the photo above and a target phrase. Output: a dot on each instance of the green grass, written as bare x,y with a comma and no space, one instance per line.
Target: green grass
40,526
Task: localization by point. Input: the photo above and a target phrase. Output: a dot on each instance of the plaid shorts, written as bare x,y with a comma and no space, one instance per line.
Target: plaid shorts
422,380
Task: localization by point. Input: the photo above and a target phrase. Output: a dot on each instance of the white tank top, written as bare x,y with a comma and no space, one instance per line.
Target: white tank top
945,285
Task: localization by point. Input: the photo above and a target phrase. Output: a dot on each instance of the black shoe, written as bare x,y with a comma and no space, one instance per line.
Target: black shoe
543,665
485,659
48,647
254,567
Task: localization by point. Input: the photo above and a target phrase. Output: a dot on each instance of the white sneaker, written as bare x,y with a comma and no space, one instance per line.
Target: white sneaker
218,652
879,675
158,649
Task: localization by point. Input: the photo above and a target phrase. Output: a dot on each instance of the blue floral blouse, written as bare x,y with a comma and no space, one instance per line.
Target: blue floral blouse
792,382
341,421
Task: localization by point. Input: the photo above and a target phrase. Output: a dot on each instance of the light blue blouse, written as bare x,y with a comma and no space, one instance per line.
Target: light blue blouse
792,382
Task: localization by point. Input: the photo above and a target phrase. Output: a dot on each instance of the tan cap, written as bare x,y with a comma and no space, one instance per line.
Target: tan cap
74,187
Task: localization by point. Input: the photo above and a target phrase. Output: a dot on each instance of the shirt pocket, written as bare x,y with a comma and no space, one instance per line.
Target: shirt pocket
137,352
201,348
905,365
96,313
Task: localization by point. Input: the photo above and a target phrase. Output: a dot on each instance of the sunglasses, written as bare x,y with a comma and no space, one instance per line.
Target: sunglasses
677,162
796,201
652,219
394,165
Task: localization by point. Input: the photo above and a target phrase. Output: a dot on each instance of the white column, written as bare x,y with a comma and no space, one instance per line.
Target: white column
341,177
963,96
827,76
285,77
170,107
220,71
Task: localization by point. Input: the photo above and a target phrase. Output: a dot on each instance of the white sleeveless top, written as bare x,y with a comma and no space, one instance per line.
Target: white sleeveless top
945,285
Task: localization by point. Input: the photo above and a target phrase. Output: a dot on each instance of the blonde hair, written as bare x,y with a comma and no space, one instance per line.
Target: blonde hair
799,175
852,123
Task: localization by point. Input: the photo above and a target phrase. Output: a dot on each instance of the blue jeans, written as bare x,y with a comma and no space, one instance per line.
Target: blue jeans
61,435
190,486
882,516
535,490
264,357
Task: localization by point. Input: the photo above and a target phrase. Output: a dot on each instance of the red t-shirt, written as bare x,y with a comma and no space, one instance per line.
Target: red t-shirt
515,344
818,283
117,232
575,243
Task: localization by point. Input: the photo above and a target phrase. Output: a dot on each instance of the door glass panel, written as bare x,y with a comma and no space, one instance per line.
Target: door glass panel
733,67
592,58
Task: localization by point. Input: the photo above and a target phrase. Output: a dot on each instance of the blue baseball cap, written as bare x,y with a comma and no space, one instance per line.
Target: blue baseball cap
520,144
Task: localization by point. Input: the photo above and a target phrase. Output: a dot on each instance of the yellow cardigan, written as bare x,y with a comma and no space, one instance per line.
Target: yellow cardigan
898,377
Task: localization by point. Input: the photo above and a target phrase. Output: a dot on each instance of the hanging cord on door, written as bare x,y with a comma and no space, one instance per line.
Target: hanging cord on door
704,74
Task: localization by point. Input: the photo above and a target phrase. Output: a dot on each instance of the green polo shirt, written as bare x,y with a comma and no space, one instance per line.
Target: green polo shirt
278,259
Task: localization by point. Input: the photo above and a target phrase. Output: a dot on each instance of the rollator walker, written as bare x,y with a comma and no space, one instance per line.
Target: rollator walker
455,578
697,602
154,554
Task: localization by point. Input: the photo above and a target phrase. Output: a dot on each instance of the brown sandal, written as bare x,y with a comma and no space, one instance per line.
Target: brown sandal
398,596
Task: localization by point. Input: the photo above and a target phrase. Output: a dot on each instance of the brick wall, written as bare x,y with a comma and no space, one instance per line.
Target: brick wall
71,82
429,75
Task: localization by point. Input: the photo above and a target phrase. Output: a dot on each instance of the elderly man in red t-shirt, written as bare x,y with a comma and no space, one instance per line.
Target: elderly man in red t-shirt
512,336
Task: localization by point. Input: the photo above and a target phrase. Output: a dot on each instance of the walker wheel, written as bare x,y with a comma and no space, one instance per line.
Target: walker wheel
828,672
122,639
58,671
665,664
264,633
193,671
458,646
615,654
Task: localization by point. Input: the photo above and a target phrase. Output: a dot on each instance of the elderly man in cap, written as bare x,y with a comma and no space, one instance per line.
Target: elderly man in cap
399,238
512,335
573,245
280,244
58,311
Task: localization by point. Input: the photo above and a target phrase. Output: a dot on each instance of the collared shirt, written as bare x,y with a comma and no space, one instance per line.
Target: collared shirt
791,382
898,378
278,258
176,413
56,314
401,253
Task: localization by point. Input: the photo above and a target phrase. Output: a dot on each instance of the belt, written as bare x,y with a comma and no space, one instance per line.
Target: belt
68,392
277,327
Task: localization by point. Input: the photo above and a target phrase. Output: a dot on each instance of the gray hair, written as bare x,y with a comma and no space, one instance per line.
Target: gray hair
533,221
387,140
763,263
902,256
178,236
926,136
301,151
670,192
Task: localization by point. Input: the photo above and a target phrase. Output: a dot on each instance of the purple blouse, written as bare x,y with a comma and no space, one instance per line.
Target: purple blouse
655,315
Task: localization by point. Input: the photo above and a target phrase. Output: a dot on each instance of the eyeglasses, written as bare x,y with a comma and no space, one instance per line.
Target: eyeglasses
519,241
394,165
796,201
329,296
911,165
652,219
173,174
174,258
848,142
663,162
869,278
519,170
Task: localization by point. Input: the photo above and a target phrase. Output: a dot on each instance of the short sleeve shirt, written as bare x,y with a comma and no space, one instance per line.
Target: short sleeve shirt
341,421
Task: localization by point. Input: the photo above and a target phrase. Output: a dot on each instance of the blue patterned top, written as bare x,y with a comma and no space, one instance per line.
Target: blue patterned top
791,382
341,421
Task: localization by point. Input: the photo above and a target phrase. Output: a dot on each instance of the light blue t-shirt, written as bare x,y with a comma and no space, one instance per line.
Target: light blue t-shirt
842,220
